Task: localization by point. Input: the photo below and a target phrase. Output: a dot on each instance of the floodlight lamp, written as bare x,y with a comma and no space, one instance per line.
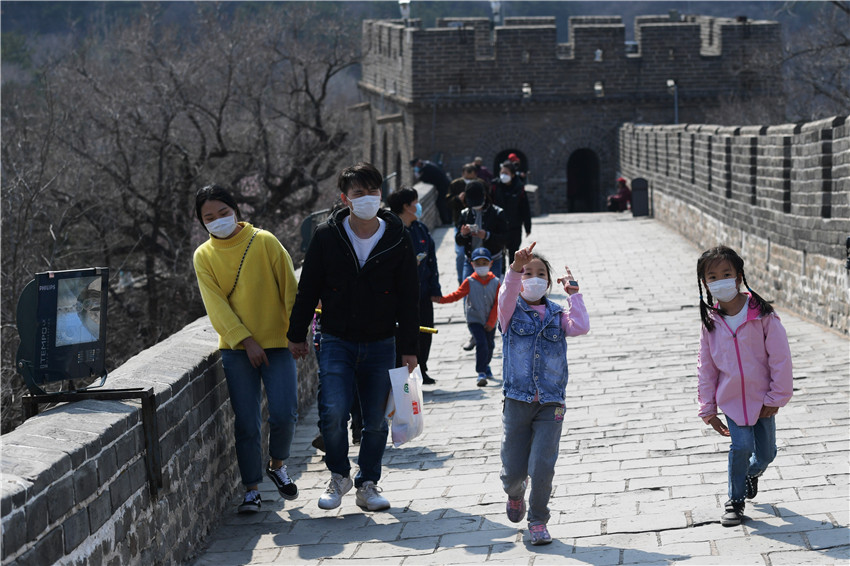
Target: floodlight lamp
61,320
599,89
496,9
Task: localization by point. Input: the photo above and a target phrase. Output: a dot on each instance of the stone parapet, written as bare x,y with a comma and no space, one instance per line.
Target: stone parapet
74,485
778,194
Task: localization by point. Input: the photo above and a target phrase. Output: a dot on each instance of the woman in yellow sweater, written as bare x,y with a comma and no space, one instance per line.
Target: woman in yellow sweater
248,286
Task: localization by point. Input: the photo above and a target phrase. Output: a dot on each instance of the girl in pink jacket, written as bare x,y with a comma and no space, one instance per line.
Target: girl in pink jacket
744,368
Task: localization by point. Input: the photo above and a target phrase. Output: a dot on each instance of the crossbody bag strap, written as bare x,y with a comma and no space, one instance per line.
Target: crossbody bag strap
238,271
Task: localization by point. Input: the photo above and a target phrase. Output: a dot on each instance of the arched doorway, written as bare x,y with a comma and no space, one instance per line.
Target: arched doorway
502,156
583,181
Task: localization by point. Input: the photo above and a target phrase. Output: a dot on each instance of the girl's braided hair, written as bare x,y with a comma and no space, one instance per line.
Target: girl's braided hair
709,257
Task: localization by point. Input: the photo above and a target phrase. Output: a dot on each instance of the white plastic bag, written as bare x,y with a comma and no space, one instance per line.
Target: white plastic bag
407,422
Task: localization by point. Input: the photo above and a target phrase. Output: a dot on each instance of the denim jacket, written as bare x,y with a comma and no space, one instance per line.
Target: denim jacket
534,354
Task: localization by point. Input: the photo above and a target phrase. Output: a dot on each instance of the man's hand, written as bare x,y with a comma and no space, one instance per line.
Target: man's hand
298,349
409,361
718,425
464,230
488,328
767,411
522,257
256,355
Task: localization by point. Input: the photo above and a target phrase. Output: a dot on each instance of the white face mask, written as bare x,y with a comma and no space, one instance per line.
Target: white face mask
467,181
222,227
366,207
534,288
505,178
724,290
482,270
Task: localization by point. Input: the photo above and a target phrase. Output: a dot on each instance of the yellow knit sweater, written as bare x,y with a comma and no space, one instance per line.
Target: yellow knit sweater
262,300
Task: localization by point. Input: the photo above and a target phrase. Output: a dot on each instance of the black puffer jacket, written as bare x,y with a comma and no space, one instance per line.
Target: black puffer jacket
359,304
492,221
514,201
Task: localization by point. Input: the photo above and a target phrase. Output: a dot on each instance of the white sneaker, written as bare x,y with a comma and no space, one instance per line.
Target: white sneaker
337,487
369,497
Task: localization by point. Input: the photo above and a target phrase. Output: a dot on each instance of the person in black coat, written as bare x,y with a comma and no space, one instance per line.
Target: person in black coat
361,265
509,193
405,204
481,224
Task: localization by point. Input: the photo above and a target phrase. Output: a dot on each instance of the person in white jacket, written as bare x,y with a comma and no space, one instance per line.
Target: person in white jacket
744,367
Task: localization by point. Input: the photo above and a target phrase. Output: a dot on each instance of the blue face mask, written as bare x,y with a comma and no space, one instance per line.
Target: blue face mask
418,211
416,170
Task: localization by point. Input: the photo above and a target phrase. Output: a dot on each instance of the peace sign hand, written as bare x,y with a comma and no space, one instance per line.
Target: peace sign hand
570,284
522,257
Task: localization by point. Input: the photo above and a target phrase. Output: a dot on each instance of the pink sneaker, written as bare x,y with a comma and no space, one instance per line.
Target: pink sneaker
515,509
539,533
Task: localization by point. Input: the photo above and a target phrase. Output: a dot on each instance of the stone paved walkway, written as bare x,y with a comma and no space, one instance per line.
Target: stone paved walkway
639,480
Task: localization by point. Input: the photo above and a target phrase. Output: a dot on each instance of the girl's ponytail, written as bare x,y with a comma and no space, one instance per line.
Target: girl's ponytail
764,306
705,308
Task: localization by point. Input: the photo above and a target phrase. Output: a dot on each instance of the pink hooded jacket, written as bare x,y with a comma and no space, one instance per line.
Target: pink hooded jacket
740,372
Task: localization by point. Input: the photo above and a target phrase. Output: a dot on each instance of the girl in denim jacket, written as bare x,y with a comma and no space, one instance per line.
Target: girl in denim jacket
534,371
744,368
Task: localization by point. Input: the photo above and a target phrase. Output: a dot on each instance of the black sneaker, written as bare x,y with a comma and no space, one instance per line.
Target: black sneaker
356,433
752,486
319,442
286,487
427,379
251,503
734,514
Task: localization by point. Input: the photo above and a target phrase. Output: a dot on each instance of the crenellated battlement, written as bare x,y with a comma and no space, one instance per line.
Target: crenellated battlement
465,57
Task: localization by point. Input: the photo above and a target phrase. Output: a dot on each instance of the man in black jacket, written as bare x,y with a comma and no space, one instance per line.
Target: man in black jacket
509,193
481,224
361,264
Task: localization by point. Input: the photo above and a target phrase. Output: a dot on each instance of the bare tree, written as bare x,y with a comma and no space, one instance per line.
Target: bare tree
816,64
103,157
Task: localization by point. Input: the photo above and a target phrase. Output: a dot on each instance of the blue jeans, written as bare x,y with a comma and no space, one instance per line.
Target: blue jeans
531,434
753,449
460,259
281,385
484,344
344,366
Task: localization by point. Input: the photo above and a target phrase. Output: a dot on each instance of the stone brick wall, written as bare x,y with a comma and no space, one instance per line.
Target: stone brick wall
779,195
455,91
74,486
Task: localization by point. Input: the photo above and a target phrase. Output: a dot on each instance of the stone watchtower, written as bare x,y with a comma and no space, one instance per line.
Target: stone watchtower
467,88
